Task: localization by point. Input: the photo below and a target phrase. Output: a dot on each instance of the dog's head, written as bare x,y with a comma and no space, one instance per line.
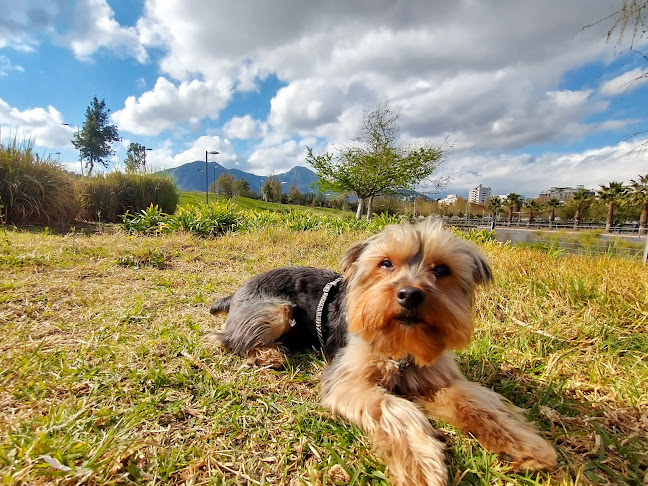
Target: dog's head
410,290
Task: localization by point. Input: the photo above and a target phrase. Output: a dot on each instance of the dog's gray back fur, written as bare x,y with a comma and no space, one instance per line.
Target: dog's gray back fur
301,289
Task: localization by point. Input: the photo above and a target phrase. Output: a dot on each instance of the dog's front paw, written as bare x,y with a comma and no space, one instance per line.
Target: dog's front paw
272,357
534,455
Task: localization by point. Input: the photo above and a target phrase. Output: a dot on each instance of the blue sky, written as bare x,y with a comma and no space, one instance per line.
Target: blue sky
527,98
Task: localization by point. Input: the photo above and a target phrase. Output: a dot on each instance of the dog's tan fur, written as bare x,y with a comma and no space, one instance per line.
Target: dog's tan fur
397,366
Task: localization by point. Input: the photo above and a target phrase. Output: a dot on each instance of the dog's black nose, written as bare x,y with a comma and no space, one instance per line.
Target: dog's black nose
410,297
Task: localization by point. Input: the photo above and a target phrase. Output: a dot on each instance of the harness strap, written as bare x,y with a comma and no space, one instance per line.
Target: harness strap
320,308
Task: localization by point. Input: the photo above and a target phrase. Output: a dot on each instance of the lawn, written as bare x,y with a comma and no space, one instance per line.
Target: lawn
104,378
245,203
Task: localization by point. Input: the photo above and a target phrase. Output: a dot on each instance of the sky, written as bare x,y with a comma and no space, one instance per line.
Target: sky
520,95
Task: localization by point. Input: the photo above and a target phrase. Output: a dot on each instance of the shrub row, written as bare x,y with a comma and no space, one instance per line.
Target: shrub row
40,191
224,216
108,197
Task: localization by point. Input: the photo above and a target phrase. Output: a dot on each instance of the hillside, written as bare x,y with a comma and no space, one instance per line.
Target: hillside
191,176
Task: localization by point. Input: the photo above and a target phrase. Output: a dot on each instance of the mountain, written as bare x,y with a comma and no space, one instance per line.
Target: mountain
191,176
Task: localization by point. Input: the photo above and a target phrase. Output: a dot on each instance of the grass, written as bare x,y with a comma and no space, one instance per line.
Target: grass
104,379
245,203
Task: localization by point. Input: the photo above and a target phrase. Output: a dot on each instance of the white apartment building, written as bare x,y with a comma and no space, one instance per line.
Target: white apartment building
449,199
479,194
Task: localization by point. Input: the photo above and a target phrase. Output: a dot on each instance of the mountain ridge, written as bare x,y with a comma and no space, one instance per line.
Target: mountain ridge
191,176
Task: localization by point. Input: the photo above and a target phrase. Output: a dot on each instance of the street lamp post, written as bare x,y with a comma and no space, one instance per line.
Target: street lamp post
281,192
77,129
59,156
144,164
207,152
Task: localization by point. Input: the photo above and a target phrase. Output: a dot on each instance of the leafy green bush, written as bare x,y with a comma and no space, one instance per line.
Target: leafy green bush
150,221
478,236
224,216
108,197
253,220
301,220
34,191
202,219
206,220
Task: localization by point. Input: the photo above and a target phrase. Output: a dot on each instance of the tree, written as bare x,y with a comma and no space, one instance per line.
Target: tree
377,163
581,200
241,188
612,195
94,141
293,194
513,202
135,160
552,204
629,17
225,185
532,206
271,189
638,195
494,205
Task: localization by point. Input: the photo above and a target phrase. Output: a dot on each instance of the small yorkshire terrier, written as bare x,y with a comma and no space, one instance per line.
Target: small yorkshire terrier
387,327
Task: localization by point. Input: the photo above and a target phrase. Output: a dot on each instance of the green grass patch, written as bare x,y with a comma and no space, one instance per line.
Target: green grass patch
104,377
245,203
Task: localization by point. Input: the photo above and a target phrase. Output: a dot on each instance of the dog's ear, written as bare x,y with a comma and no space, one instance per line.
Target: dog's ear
482,273
352,255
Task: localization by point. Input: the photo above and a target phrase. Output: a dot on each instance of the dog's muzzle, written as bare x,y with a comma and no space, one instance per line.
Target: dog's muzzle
410,297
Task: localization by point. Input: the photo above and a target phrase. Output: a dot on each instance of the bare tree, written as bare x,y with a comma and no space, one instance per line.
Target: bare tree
628,27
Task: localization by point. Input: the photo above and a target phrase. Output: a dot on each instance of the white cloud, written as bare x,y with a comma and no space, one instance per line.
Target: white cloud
165,156
84,26
243,127
20,20
276,158
528,175
624,83
42,126
93,27
7,66
168,105
306,104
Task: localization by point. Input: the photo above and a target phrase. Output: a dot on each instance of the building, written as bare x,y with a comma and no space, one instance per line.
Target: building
479,194
560,193
449,199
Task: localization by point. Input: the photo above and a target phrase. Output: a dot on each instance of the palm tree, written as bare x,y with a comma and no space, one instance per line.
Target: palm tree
611,194
581,198
513,201
553,203
494,206
638,195
532,206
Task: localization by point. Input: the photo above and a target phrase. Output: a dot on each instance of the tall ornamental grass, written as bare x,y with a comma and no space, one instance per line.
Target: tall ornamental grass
34,190
108,197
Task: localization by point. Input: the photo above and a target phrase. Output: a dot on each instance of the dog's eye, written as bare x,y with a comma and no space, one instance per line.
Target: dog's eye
440,271
386,263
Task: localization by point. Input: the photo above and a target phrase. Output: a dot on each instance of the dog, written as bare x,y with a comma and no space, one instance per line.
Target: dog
388,326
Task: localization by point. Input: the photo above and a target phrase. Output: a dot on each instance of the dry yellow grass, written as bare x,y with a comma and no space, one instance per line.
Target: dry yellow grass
104,379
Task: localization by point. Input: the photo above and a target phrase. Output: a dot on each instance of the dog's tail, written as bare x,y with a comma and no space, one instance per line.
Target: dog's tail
221,305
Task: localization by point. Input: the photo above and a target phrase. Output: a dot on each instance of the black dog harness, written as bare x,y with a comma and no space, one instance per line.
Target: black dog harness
320,309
